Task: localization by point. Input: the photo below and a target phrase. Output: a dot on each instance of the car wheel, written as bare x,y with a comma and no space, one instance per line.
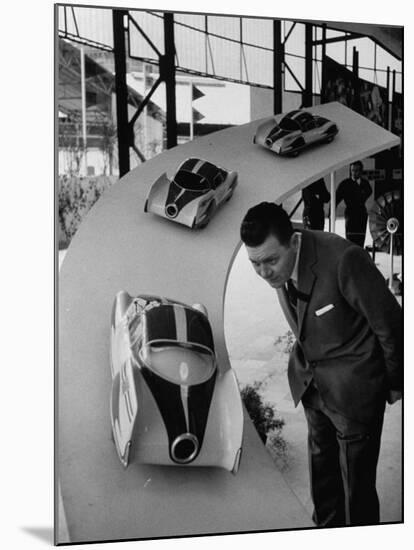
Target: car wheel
204,224
298,144
209,214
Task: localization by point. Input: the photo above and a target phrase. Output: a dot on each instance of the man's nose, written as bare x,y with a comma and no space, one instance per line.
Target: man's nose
265,272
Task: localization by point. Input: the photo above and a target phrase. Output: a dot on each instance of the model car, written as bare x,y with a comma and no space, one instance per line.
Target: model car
294,131
169,403
192,196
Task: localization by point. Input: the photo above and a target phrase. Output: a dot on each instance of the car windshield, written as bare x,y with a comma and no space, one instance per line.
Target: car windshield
174,322
191,182
178,344
304,119
288,124
179,364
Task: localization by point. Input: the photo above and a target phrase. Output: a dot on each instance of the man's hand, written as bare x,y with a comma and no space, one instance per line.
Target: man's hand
393,396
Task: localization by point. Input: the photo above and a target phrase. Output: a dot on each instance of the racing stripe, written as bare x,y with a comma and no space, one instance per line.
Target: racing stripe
189,164
198,166
184,400
181,323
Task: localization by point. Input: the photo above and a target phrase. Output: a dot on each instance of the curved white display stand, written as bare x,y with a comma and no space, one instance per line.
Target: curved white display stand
119,247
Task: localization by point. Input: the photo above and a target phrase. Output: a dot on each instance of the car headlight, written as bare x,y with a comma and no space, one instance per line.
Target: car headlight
171,210
184,448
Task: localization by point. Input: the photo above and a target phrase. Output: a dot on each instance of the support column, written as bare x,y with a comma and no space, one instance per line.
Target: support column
84,127
308,93
332,219
355,62
121,90
278,59
167,65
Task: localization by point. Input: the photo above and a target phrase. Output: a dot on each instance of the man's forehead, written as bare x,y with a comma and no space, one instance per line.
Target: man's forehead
270,247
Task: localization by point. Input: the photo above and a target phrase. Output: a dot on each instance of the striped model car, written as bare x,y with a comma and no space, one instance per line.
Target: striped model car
294,131
170,404
192,196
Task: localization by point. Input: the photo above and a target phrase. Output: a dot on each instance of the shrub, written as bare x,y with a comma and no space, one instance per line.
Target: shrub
285,343
76,197
278,448
263,415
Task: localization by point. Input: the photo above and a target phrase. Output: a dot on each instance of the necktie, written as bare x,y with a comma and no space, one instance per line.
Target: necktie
292,293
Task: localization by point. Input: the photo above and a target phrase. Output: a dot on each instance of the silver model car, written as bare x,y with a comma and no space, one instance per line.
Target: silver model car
294,131
192,196
170,404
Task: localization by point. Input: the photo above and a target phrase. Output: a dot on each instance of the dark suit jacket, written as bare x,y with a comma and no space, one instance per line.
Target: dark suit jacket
354,195
349,332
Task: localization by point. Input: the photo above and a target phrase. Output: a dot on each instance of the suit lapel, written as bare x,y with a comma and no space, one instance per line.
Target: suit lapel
306,275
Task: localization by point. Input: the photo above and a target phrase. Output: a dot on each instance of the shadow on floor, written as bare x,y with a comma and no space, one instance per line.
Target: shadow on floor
43,533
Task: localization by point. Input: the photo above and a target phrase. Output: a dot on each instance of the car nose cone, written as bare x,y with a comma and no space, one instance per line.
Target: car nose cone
184,448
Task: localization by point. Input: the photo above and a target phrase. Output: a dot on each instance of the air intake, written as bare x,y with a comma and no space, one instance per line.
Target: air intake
184,448
171,210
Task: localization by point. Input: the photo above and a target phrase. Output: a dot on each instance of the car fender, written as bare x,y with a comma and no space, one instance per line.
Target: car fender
231,181
119,344
224,432
190,213
123,410
157,195
263,130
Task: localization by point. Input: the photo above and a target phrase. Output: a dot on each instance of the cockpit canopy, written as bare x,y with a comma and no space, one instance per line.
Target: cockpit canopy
177,344
191,182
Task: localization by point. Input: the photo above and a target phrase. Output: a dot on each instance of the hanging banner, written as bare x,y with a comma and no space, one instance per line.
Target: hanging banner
338,84
397,114
373,102
367,98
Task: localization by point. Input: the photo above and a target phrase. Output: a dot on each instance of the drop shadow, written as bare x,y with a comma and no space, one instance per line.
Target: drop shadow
43,533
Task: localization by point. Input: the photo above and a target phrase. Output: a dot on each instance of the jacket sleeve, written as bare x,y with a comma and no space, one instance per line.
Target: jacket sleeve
340,192
307,195
366,190
365,289
324,194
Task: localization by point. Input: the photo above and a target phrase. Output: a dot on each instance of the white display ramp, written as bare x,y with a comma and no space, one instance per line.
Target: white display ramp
119,247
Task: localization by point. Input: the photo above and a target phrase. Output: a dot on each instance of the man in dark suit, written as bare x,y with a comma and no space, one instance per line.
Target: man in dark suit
347,358
314,197
355,191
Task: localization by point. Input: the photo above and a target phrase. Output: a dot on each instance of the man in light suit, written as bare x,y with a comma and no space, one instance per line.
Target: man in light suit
347,358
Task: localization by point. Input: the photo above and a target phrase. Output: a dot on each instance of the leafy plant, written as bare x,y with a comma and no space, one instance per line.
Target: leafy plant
285,342
76,197
278,448
263,415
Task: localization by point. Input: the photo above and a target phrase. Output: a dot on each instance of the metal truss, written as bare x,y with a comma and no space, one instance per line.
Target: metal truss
168,63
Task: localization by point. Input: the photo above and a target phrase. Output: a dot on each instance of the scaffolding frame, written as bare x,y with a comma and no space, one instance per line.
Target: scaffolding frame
124,23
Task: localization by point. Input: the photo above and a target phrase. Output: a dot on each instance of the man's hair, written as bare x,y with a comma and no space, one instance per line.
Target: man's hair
264,219
358,163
